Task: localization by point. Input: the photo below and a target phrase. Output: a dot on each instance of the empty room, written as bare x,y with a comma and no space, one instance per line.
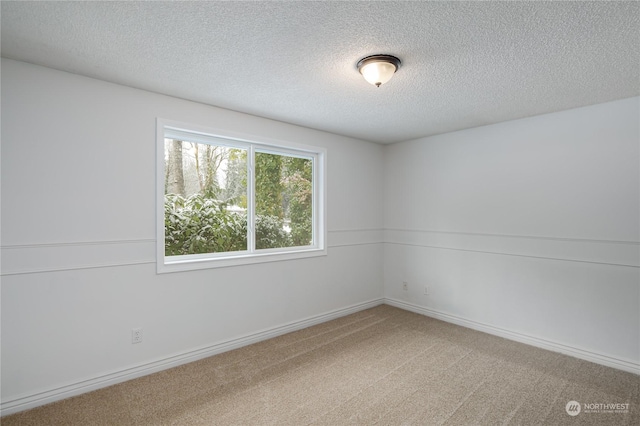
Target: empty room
320,213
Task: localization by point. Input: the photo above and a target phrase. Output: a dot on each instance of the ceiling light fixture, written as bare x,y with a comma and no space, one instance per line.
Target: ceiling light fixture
378,69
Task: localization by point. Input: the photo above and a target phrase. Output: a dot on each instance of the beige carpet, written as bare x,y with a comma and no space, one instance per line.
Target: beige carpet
381,366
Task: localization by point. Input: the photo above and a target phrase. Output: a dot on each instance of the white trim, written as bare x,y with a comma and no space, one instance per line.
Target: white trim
75,268
251,196
595,357
497,253
612,253
238,260
38,258
531,237
357,230
235,136
32,400
76,243
42,257
159,201
354,244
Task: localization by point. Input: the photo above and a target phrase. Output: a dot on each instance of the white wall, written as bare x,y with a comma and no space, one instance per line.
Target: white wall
78,241
527,229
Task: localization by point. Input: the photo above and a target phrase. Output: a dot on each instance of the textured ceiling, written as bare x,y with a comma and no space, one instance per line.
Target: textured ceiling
465,64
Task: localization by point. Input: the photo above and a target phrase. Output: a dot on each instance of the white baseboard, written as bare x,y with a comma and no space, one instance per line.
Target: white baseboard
26,402
609,361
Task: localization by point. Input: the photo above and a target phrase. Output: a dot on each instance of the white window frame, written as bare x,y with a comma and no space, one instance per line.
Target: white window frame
251,143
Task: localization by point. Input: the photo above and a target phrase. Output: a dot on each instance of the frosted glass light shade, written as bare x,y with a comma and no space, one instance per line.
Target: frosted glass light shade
378,73
378,69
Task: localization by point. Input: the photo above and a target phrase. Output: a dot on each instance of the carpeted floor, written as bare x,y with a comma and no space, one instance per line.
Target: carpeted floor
381,366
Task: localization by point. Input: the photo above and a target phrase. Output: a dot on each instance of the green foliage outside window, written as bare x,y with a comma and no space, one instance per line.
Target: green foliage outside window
284,190
299,190
198,225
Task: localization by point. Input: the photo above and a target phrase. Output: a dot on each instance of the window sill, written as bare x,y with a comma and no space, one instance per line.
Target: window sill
181,265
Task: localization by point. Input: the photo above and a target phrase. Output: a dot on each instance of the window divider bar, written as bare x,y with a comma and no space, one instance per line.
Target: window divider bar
251,200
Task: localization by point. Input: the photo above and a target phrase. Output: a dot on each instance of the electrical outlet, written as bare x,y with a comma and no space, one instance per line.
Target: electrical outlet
426,289
405,286
136,335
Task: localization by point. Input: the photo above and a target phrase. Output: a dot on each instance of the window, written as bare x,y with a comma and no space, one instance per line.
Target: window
226,199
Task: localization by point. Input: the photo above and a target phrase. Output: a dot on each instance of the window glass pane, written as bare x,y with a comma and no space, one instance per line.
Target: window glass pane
284,200
205,201
298,184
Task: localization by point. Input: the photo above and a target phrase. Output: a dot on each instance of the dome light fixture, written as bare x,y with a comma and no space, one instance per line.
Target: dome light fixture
378,69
